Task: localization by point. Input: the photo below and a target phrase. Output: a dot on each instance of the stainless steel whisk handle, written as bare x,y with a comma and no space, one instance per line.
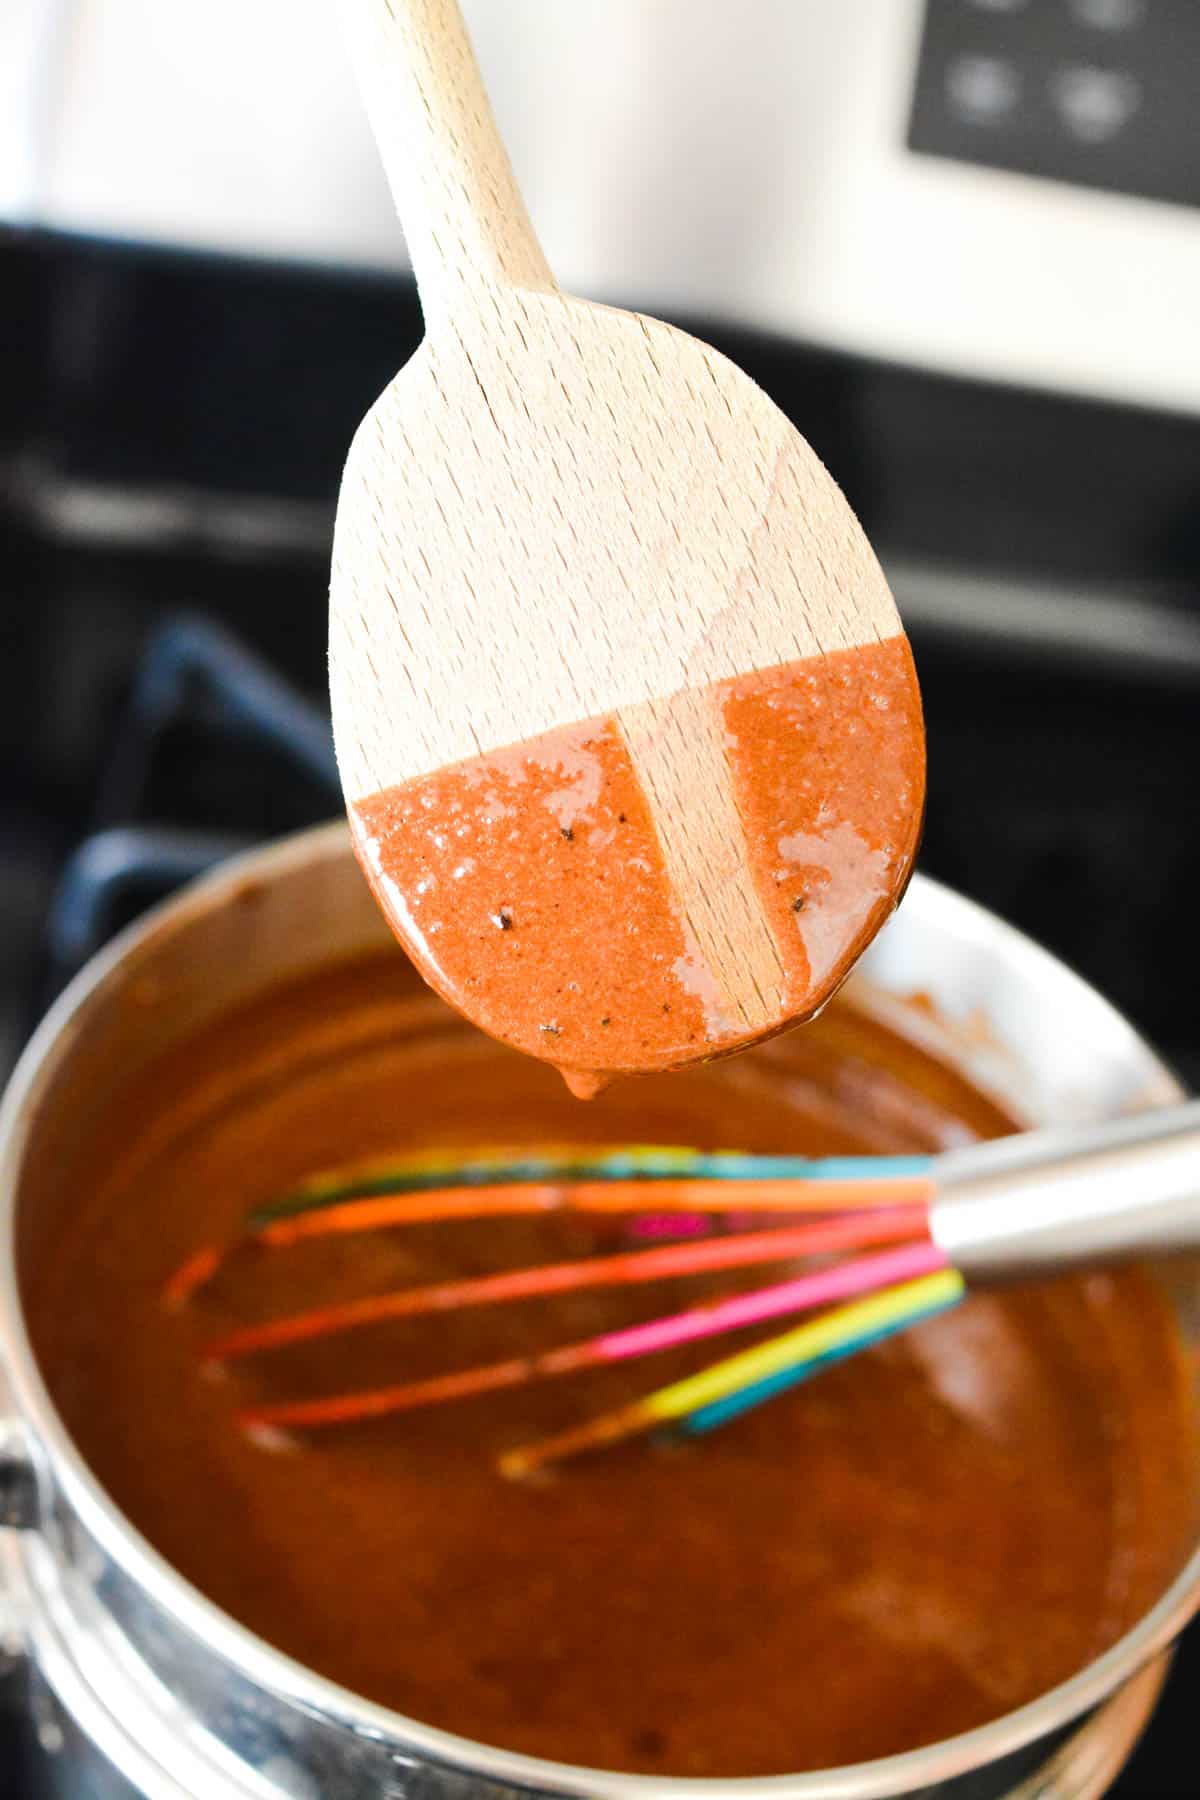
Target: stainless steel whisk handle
1071,1195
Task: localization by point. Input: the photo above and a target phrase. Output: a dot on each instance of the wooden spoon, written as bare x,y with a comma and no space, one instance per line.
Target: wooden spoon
626,719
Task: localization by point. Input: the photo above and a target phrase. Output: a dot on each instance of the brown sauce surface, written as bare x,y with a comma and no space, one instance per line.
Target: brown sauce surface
909,1545
531,889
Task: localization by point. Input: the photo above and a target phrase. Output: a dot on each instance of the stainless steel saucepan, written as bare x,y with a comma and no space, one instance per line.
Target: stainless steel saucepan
143,1687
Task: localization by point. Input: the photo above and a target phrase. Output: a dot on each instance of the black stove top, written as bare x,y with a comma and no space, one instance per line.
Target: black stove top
170,435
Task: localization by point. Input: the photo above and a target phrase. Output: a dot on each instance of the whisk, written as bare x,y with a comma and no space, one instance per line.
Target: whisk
1039,1201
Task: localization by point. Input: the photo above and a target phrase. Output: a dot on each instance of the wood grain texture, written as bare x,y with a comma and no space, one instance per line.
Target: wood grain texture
714,887
560,511
463,216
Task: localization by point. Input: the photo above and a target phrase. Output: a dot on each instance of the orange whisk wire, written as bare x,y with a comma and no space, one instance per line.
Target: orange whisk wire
596,1198
813,1238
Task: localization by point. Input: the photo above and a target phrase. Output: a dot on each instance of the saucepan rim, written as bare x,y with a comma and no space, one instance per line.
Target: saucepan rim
284,1677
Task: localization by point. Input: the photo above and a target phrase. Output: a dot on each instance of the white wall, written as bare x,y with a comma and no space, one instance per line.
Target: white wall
740,158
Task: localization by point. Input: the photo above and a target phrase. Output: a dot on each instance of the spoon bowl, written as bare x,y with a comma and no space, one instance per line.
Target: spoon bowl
626,719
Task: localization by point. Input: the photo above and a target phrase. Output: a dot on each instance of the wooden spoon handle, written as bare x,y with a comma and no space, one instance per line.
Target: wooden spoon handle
458,200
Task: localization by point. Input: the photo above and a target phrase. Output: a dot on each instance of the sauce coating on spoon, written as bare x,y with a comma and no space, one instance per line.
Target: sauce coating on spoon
537,891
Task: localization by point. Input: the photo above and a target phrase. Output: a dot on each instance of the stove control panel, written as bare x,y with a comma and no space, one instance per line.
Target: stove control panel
1098,93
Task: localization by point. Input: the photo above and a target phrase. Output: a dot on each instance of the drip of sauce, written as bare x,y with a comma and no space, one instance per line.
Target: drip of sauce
532,890
903,1548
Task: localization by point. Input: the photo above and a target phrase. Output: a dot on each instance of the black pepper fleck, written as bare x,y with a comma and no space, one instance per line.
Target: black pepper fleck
799,903
551,1030
606,1021
568,832
649,1742
502,920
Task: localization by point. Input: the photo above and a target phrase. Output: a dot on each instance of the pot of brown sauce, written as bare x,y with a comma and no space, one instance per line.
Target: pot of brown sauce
959,1574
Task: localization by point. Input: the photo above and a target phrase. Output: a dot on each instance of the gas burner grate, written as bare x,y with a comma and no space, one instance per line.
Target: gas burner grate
217,745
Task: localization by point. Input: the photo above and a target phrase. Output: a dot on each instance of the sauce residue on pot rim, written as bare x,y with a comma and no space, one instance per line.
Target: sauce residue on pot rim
537,891
903,1548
